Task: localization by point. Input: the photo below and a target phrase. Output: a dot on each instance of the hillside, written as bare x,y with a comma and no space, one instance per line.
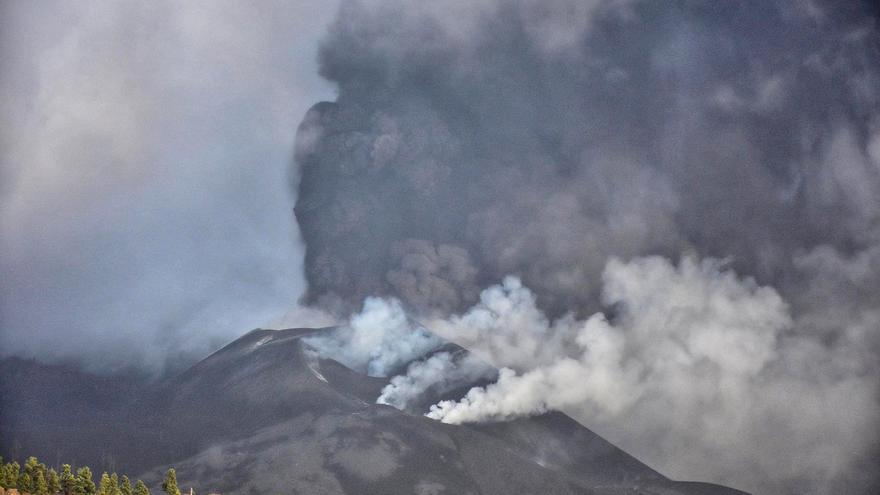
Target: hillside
264,415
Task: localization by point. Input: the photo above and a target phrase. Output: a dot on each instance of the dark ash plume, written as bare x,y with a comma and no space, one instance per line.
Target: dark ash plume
475,140
516,138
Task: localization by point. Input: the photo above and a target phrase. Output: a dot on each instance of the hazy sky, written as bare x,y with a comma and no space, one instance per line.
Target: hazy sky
144,173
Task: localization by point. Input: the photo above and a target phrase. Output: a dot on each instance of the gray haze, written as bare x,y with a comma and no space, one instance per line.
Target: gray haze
144,150
737,143
660,217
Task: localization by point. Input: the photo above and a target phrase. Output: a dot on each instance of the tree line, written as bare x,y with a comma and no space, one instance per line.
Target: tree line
36,478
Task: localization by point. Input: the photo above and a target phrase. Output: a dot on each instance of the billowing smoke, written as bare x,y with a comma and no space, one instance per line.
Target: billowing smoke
569,143
439,373
698,368
377,341
469,142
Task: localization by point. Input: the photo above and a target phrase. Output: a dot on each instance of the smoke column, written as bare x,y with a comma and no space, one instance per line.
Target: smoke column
698,371
607,154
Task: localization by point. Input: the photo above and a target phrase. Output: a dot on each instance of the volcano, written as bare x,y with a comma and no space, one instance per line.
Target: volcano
265,415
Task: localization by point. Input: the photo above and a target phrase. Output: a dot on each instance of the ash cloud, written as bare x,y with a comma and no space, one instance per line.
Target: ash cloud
538,142
471,141
145,217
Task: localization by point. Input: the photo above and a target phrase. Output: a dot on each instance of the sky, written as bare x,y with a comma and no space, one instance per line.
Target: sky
145,206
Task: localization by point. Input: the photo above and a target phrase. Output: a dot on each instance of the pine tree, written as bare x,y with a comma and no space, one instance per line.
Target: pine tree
24,482
140,488
68,480
114,484
3,468
43,468
84,483
31,467
104,486
53,483
12,473
169,486
125,486
40,485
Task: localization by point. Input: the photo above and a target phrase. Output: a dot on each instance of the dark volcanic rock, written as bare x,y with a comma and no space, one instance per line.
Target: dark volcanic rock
265,415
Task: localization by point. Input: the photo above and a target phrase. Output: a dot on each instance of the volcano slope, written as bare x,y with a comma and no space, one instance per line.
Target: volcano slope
266,415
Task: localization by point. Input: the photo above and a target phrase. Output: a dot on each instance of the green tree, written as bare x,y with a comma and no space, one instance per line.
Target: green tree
140,488
84,483
68,480
45,470
53,482
12,473
114,484
3,468
40,485
24,482
125,486
169,486
104,486
31,467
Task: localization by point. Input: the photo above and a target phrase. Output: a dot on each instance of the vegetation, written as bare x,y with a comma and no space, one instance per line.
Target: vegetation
68,480
84,484
35,478
169,486
125,487
53,483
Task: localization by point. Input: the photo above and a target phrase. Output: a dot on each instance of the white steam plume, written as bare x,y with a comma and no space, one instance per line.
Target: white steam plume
377,340
698,369
441,372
